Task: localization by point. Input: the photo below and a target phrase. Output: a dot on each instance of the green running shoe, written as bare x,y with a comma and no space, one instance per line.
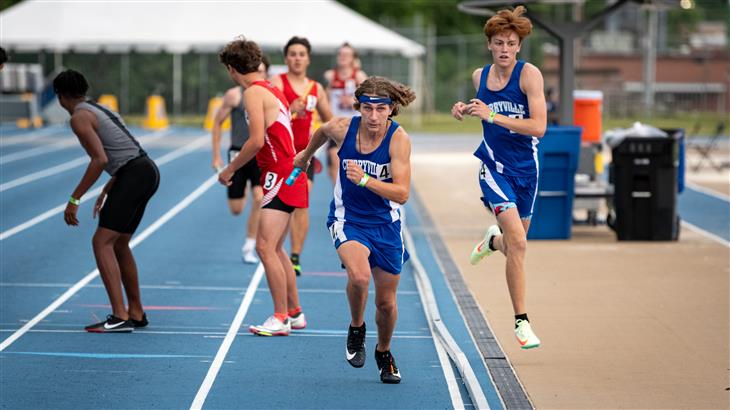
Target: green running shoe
481,249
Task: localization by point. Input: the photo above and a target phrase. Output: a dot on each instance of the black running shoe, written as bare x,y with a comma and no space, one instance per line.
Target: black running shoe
112,324
295,263
389,373
355,351
140,323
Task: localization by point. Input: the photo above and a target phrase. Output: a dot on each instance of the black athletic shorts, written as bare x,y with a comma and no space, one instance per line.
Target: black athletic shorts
279,205
248,172
136,182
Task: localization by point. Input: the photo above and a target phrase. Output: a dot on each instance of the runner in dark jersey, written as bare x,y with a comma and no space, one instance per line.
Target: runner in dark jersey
249,174
120,205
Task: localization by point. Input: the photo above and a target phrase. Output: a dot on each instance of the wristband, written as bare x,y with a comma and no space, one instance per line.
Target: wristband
74,201
363,180
490,119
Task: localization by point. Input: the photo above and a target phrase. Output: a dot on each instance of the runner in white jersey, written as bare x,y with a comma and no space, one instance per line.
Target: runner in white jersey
511,105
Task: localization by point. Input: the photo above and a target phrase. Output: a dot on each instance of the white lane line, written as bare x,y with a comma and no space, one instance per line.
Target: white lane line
444,339
211,333
31,136
228,340
93,274
44,173
32,152
84,159
188,287
426,301
28,153
703,232
171,156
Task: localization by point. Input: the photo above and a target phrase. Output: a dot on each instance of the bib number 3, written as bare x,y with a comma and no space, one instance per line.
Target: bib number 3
270,180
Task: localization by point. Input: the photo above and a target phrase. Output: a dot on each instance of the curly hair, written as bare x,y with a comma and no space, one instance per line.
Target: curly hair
402,95
243,55
509,20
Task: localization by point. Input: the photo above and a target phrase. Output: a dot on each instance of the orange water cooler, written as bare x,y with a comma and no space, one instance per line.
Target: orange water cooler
587,110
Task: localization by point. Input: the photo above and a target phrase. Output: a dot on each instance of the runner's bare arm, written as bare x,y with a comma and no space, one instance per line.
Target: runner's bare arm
335,129
231,98
323,104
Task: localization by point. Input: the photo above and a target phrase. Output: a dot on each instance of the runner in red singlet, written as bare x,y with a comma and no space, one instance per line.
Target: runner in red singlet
272,142
304,96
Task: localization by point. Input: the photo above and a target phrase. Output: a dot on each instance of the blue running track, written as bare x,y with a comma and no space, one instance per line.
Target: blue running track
193,285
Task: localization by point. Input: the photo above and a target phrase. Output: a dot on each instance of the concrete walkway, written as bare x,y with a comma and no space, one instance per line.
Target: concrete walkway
623,324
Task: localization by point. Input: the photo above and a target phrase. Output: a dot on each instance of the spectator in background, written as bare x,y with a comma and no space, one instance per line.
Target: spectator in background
552,107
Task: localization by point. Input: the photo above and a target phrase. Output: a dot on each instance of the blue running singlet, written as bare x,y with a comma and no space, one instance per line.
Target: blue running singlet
502,150
359,205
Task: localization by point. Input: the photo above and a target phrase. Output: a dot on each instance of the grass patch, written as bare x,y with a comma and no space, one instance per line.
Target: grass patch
444,123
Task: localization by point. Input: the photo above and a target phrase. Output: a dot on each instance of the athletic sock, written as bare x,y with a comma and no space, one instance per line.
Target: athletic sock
294,258
250,243
491,244
522,316
295,312
281,316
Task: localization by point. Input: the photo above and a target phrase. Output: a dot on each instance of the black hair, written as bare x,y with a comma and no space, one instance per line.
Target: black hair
241,54
266,62
3,56
298,40
70,83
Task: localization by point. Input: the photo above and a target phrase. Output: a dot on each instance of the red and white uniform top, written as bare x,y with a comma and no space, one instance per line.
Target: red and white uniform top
276,157
301,125
340,87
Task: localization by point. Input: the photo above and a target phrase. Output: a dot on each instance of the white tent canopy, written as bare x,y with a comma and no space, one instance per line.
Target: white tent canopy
182,26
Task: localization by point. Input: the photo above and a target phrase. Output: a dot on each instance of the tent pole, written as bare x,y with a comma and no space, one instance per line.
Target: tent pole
176,83
416,80
124,83
203,89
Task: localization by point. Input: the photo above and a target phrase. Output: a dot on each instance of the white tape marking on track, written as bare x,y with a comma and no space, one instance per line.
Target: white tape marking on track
228,340
93,274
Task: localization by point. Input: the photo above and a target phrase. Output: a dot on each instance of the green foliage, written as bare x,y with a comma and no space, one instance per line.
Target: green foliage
442,14
4,4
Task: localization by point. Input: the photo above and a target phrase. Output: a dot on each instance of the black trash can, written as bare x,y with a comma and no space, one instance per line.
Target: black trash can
644,172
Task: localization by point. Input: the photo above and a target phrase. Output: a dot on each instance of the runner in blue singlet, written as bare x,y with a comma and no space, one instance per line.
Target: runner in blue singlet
511,104
365,216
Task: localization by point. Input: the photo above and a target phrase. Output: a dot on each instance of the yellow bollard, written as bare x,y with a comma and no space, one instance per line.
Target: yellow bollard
598,162
109,101
214,105
156,117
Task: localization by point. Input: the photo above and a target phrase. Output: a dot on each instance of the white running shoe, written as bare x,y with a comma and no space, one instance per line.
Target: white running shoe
298,322
525,336
272,327
481,249
249,254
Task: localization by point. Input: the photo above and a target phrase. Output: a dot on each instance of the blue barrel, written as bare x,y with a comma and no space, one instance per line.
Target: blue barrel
558,154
